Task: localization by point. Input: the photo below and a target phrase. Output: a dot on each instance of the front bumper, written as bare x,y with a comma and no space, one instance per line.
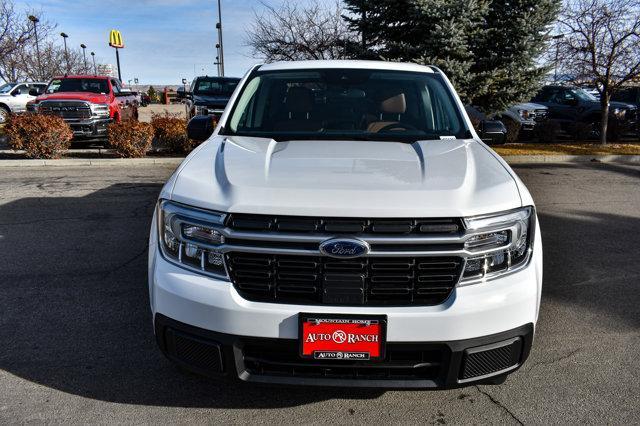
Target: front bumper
204,325
89,129
428,365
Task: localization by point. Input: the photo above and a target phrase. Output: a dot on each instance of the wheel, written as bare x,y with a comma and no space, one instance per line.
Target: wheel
547,132
4,114
513,129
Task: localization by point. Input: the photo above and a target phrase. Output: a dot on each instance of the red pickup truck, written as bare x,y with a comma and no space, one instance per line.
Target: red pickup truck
87,103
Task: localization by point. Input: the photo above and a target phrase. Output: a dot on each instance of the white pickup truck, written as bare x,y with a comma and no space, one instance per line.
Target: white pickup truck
345,225
15,96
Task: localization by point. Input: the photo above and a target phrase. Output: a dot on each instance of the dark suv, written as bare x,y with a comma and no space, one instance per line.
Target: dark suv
209,95
577,113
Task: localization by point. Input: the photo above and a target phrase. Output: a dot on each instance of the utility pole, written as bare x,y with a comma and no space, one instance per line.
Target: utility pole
66,52
95,69
555,65
84,55
221,49
35,21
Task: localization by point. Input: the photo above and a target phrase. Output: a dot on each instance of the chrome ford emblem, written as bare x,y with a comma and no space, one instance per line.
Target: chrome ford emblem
344,248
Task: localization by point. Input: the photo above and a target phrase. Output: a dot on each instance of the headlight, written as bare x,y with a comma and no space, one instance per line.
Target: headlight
524,114
201,110
191,238
100,110
503,243
619,112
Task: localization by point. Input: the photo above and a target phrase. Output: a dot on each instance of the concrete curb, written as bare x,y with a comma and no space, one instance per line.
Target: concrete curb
95,162
175,161
521,159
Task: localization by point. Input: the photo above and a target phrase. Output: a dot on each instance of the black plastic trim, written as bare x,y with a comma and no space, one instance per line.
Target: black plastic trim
453,353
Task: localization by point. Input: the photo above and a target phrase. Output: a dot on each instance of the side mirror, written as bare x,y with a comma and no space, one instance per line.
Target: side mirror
493,132
200,127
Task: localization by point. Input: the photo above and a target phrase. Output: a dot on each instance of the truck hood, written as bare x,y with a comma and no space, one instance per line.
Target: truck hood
529,106
345,178
97,98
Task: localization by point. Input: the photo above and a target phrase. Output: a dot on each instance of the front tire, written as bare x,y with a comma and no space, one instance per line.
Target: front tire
5,113
513,129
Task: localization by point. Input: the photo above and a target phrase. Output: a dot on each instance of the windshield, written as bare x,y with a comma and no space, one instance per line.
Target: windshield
346,104
216,86
584,95
92,85
6,88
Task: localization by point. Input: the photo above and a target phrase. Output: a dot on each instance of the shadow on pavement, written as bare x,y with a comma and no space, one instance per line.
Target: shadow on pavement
75,313
75,309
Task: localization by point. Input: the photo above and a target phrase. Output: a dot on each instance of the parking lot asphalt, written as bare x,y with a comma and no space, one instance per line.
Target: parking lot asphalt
76,342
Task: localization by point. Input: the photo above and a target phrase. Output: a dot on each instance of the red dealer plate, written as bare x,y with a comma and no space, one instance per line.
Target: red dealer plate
342,337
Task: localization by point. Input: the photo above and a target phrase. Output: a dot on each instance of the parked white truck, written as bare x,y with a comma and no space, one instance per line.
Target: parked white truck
344,225
15,96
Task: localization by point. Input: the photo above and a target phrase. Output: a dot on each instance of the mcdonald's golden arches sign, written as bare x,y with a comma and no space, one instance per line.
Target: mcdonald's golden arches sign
115,39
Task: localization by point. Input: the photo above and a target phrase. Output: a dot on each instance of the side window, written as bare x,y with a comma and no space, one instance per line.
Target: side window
568,96
555,96
116,86
20,89
543,95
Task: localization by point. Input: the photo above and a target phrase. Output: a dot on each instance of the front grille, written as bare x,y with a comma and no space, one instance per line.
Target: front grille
66,110
371,281
491,359
318,225
540,114
402,362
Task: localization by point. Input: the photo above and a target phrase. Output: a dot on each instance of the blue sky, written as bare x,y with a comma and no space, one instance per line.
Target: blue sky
165,39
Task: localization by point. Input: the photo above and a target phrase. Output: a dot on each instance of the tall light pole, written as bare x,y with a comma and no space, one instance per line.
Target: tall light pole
95,69
221,49
84,56
66,52
35,21
555,65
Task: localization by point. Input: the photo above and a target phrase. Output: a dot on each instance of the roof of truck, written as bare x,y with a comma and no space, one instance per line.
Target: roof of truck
347,64
97,77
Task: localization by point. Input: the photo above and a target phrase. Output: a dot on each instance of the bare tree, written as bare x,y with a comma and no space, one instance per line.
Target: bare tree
294,32
23,64
601,45
15,31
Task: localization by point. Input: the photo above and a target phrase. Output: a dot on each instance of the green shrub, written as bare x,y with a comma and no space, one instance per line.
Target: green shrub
170,131
130,139
40,136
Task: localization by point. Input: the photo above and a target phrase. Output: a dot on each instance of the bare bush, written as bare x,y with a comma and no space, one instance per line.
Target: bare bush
40,136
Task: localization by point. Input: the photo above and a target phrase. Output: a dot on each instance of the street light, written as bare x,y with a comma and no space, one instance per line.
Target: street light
35,21
221,49
95,70
66,52
555,66
84,55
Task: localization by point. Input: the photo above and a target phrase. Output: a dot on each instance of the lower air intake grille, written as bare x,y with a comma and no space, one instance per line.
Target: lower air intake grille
315,280
194,352
402,362
486,360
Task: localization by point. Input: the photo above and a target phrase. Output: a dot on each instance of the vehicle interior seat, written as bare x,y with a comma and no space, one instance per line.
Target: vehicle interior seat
298,111
390,108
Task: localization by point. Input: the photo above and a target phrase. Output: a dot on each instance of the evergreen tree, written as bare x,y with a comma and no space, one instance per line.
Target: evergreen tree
153,95
487,48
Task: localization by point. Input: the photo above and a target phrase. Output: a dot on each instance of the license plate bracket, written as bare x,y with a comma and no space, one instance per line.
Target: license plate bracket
342,337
